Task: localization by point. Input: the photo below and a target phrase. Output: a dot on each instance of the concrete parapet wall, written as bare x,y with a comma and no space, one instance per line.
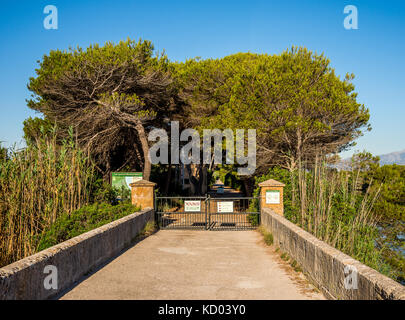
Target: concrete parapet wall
325,265
73,258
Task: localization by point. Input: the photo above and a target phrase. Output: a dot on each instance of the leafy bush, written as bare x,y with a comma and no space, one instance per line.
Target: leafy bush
103,192
83,220
253,218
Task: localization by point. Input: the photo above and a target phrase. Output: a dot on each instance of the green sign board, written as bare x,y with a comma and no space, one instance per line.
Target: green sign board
124,179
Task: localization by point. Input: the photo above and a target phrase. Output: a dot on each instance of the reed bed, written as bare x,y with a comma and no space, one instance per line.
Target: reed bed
336,208
37,185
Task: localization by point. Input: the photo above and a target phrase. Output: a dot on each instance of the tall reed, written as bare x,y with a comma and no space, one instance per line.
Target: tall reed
332,206
37,184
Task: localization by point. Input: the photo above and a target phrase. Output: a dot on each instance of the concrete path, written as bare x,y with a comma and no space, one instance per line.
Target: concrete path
177,264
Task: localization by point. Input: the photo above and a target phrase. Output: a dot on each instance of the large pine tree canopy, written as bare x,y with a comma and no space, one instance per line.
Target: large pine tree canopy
112,95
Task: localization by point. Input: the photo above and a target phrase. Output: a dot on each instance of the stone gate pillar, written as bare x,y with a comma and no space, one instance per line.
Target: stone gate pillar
143,194
271,195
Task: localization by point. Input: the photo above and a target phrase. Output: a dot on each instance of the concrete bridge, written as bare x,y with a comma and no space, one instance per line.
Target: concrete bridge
189,264
111,262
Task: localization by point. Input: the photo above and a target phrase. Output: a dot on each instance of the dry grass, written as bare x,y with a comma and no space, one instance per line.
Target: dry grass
267,236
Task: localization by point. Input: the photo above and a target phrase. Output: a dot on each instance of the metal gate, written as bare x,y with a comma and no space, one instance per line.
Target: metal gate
207,213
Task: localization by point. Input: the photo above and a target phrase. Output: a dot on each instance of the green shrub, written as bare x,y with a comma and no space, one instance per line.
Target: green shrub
298,269
253,219
268,238
80,221
103,192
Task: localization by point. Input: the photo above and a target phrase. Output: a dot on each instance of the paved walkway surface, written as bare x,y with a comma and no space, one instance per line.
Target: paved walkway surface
187,264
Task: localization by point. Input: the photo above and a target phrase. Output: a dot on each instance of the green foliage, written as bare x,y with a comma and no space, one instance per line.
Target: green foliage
365,161
80,221
123,194
253,218
102,191
109,94
139,55
295,101
391,205
37,128
390,210
298,269
229,176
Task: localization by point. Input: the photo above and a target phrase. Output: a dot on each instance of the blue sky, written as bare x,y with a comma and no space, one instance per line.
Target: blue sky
185,29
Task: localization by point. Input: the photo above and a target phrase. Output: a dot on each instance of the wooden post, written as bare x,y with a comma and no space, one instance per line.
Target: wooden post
271,195
143,194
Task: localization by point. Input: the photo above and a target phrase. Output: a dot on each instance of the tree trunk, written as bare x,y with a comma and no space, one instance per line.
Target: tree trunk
204,184
292,187
193,179
147,167
168,179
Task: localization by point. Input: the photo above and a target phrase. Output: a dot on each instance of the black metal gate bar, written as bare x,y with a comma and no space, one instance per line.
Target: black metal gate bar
242,217
171,214
212,214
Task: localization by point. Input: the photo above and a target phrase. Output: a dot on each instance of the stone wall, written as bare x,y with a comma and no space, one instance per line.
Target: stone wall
325,266
73,259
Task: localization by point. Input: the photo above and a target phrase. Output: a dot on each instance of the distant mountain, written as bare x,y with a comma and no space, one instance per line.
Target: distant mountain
393,157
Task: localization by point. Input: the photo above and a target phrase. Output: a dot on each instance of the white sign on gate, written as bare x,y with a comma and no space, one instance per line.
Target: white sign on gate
273,196
192,206
225,206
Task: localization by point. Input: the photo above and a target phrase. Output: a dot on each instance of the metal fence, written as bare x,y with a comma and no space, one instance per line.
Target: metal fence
207,213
